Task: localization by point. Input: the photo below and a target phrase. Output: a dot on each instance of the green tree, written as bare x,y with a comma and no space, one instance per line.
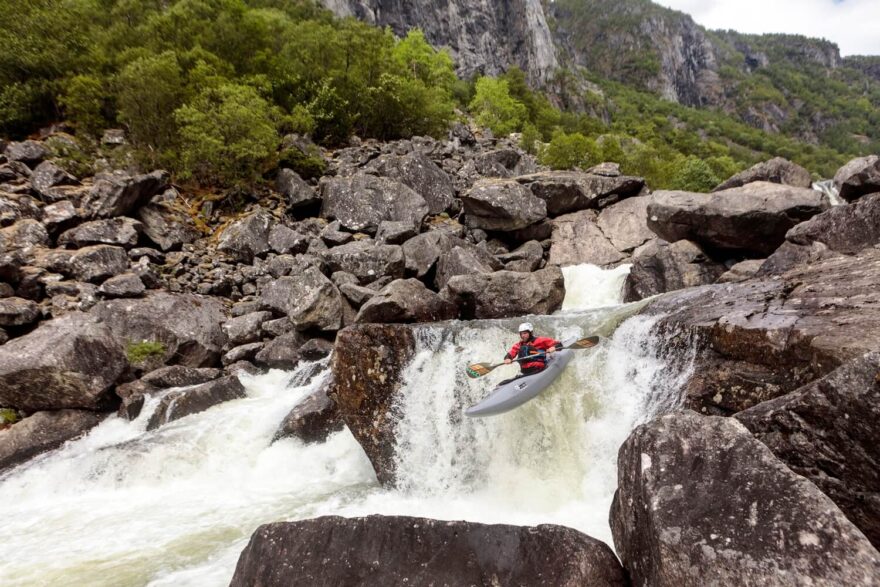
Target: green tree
495,108
83,102
150,89
567,151
226,134
531,138
694,175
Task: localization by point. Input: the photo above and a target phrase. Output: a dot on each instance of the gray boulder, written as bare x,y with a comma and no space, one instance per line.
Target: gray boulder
246,328
422,251
526,258
28,152
395,232
702,502
68,362
859,177
506,293
241,354
98,262
42,432
247,237
570,191
356,294
776,170
625,223
284,240
751,219
312,420
464,259
165,223
501,205
360,202
15,207
48,175
126,285
406,300
741,271
366,260
18,312
59,214
185,402
379,550
23,234
299,194
117,195
309,300
282,352
421,174
122,231
577,239
659,267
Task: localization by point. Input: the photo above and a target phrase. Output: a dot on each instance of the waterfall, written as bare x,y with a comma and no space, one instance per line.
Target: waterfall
176,505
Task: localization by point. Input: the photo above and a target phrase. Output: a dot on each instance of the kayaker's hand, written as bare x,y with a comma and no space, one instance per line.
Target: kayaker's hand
507,361
551,350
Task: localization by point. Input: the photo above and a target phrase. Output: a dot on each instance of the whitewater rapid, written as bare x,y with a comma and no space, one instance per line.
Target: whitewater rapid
175,506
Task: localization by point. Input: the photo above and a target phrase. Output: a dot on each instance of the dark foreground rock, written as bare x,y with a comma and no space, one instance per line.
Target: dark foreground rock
659,267
368,361
702,502
827,432
185,402
313,419
396,550
41,432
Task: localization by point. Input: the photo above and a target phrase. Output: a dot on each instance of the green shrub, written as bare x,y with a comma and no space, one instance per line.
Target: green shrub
150,90
495,108
307,165
8,416
138,352
567,151
83,102
694,175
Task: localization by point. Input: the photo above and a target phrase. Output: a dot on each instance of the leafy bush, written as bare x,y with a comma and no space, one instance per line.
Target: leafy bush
495,108
138,352
568,151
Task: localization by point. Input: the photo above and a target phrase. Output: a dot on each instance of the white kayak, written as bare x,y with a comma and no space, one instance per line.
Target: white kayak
514,394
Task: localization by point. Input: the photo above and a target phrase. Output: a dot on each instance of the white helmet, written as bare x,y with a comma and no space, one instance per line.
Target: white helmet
526,326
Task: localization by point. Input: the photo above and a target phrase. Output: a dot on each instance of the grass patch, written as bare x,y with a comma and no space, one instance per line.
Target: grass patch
8,416
138,352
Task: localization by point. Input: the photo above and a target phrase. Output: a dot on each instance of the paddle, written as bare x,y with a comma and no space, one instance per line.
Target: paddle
480,369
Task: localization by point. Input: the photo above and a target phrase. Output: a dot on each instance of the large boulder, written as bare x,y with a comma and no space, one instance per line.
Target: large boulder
751,219
700,501
299,194
121,231
28,152
464,259
309,300
15,207
367,365
421,174
570,191
18,312
577,239
776,170
526,258
840,230
366,260
184,402
98,262
312,420
625,223
406,300
245,328
282,352
42,432
360,202
380,550
119,194
422,252
859,177
68,362
502,205
659,267
827,432
506,293
247,237
166,223
188,326
23,234
46,176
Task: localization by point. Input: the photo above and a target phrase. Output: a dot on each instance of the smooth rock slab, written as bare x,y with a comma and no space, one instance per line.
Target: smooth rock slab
702,502
659,267
42,432
121,231
379,550
577,239
570,191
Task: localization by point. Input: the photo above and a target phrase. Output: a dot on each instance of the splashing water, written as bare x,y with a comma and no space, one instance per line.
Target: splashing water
175,506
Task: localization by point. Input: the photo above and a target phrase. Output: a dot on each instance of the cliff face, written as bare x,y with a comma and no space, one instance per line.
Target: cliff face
484,36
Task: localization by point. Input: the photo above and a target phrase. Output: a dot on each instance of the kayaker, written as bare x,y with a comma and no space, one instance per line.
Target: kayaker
529,345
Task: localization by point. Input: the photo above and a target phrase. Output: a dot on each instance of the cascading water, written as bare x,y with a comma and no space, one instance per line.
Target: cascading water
176,505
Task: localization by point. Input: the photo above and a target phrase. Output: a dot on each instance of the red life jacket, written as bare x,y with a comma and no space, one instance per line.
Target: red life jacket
534,346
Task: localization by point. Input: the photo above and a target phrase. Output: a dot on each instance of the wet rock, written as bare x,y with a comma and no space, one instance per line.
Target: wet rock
395,233
28,152
242,353
283,240
464,259
366,260
625,223
122,231
127,285
23,234
840,230
702,502
281,352
117,195
165,223
826,432
68,362
659,267
379,550
421,174
246,328
751,219
360,202
526,258
506,293
42,432
501,205
367,365
98,262
577,239
187,325
18,312
315,349
859,177
247,237
180,403
776,170
48,175
570,191
309,300
312,420
406,300
299,194
179,376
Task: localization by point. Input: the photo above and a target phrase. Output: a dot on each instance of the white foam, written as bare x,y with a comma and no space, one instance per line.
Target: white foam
589,287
